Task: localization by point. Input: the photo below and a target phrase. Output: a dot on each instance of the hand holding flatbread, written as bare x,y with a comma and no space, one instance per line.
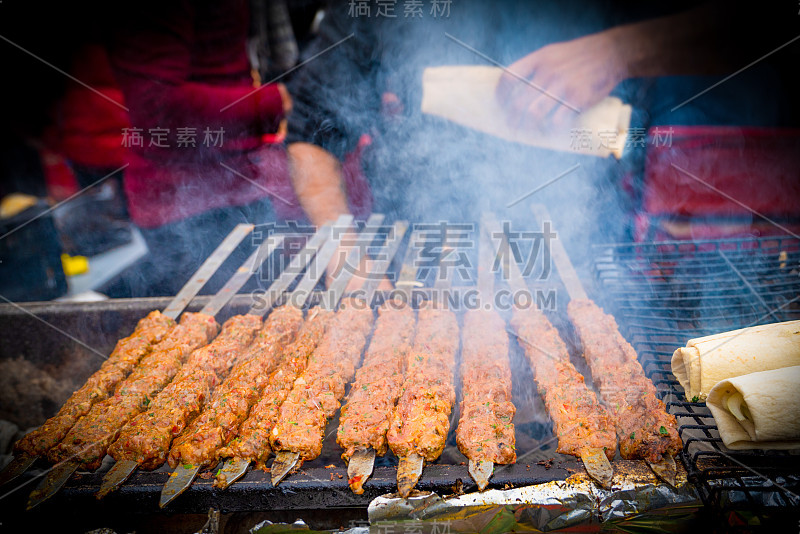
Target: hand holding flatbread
465,94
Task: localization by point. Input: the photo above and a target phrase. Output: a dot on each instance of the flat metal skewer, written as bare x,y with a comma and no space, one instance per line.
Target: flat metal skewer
594,460
359,469
119,473
21,463
666,468
53,481
232,471
182,476
409,471
235,468
597,465
361,464
179,481
482,470
207,270
18,465
285,461
409,468
124,469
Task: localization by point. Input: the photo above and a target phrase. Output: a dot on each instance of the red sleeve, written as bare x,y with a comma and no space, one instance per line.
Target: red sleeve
183,64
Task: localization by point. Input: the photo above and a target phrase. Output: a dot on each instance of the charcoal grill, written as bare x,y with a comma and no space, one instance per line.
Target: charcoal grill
664,294
315,487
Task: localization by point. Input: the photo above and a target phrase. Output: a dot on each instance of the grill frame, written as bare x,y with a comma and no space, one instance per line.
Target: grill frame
310,489
663,294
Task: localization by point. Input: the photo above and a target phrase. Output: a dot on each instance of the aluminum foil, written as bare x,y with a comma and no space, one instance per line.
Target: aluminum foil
636,496
637,502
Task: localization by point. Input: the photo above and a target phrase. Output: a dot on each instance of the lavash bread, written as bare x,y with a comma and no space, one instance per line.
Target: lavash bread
465,94
705,361
759,410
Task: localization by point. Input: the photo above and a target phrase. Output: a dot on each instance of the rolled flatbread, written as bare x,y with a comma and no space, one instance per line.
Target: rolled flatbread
465,94
759,410
704,361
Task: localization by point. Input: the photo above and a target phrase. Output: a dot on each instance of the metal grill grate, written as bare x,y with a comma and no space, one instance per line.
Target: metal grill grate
664,294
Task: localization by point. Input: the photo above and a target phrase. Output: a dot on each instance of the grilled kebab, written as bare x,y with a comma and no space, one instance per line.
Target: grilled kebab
644,428
583,426
252,440
364,420
485,432
232,400
316,394
126,355
421,419
146,438
88,440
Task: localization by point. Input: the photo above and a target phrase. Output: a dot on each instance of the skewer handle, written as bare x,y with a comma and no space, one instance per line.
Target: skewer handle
387,253
295,267
407,279
565,269
320,262
339,285
206,270
510,267
241,276
485,274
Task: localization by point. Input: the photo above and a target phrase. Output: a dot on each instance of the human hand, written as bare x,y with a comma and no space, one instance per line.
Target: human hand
549,87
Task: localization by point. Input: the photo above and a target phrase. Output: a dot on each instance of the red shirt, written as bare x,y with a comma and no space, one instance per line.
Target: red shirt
182,67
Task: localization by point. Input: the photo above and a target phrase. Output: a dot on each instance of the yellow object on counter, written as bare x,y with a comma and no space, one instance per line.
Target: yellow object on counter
74,265
16,203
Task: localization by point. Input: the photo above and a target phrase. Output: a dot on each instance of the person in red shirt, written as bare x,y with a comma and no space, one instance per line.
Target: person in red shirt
203,150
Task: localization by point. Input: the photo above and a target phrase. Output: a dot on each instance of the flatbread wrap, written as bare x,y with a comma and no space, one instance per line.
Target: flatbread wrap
704,361
759,410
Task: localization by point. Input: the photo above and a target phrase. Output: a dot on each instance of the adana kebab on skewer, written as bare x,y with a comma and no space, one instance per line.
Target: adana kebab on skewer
581,424
485,432
644,428
364,420
88,440
421,419
145,441
197,446
146,438
87,445
253,440
251,443
315,396
129,351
